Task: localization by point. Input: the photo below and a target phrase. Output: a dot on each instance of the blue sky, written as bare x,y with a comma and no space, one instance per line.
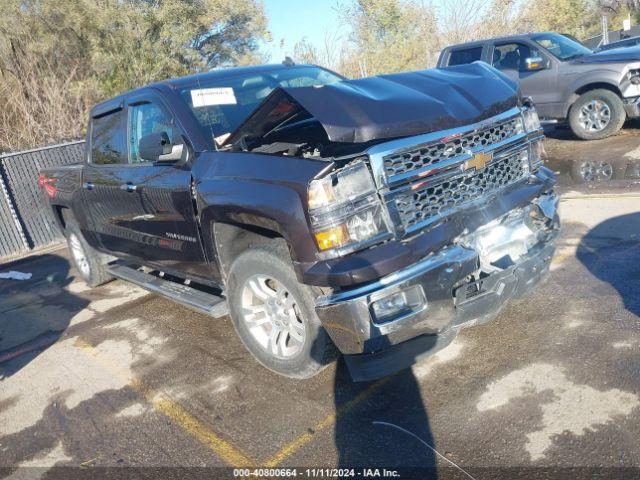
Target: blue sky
293,20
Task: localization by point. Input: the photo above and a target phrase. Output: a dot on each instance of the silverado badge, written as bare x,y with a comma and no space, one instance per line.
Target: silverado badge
478,161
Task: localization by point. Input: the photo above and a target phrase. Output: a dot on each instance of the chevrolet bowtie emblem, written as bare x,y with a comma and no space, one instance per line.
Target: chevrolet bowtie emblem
478,161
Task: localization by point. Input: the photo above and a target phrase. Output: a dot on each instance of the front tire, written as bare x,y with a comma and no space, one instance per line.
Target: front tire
597,114
274,315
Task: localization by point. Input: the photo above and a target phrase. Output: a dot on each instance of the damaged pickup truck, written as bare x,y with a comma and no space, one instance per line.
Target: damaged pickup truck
374,217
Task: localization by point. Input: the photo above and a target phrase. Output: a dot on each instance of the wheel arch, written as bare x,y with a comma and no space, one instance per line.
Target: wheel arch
61,214
600,85
230,240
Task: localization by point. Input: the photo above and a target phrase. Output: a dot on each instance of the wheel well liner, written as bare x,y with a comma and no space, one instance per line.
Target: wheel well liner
231,240
61,214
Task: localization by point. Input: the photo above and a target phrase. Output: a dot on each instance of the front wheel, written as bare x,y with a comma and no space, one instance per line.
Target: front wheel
274,314
596,114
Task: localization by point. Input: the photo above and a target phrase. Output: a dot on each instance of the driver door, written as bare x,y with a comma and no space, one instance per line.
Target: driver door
541,85
161,226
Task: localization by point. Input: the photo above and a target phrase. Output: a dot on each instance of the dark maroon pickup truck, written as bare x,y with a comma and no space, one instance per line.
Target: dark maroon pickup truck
372,217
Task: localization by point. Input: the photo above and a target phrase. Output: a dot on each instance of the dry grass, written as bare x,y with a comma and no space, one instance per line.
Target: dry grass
40,107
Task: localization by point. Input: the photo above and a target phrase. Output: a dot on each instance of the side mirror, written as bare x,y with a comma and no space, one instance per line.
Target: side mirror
157,147
532,64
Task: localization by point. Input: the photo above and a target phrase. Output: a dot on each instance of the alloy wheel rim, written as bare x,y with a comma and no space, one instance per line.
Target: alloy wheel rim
78,254
272,316
595,116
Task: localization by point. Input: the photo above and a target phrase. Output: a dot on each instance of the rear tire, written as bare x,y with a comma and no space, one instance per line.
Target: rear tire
597,114
274,315
88,262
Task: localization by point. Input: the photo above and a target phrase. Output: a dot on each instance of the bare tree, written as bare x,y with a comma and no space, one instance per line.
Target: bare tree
614,6
461,20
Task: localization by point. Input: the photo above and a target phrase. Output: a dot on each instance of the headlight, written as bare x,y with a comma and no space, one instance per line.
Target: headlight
531,119
345,211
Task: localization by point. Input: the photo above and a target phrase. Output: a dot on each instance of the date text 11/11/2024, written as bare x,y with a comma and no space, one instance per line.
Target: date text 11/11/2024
316,472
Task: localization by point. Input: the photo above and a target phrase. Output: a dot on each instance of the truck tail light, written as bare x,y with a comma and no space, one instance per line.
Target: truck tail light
48,184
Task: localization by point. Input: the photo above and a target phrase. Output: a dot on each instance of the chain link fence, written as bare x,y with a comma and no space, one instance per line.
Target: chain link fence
26,221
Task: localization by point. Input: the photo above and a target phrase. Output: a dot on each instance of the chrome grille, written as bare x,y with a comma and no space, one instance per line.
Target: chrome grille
417,206
434,152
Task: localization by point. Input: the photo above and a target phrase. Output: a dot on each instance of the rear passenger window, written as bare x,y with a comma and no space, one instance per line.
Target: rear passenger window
468,55
107,139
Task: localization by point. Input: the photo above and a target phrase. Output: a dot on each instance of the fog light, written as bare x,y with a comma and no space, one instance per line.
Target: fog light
398,303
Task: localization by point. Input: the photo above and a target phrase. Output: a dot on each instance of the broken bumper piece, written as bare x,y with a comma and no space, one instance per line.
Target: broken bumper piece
389,324
632,107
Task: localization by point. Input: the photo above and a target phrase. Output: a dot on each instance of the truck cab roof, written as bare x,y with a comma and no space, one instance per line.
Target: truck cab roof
504,38
189,80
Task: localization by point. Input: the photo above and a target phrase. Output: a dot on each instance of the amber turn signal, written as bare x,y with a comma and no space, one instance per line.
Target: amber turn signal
332,237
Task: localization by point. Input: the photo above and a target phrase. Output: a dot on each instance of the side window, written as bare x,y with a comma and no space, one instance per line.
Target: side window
512,56
145,119
467,55
107,139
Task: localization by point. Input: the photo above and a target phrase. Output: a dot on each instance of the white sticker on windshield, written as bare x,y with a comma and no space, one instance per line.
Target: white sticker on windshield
204,97
221,138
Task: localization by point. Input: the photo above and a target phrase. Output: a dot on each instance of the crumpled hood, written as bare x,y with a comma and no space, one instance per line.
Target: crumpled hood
622,54
389,106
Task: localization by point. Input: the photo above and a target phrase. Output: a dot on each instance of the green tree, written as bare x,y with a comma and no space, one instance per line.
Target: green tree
58,57
575,17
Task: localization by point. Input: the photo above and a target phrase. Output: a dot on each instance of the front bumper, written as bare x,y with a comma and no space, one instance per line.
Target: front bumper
632,107
457,293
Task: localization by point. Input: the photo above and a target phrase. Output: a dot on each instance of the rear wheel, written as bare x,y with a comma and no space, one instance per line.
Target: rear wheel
88,262
274,315
596,114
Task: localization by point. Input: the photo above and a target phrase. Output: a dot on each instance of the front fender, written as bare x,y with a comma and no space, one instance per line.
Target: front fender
259,191
597,78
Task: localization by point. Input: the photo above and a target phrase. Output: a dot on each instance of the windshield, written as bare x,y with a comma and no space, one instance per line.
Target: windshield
560,46
221,105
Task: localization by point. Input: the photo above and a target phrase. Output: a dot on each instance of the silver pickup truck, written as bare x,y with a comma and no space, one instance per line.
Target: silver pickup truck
594,92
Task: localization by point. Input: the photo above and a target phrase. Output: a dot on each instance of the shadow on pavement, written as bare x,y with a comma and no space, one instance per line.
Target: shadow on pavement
377,424
34,313
611,252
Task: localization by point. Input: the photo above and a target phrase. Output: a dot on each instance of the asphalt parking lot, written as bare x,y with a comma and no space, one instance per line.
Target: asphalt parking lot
114,376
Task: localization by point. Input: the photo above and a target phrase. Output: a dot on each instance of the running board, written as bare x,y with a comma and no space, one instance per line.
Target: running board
213,305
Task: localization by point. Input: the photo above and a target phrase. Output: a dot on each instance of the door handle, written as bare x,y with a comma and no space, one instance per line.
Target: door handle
87,185
129,187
